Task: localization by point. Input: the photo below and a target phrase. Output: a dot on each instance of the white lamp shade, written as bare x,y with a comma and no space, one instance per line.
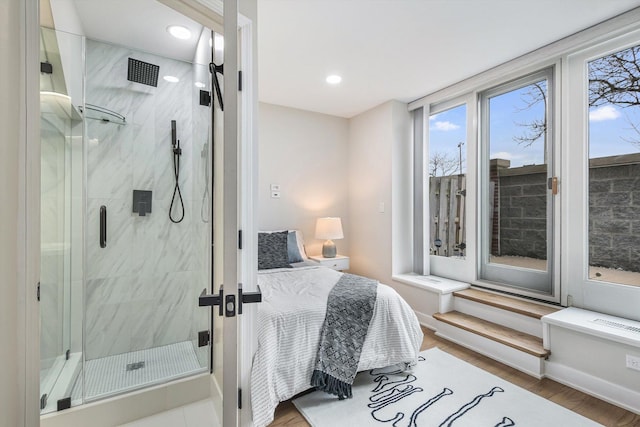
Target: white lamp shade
329,228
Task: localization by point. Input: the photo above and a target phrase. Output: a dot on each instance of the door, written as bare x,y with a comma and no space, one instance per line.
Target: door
232,220
518,187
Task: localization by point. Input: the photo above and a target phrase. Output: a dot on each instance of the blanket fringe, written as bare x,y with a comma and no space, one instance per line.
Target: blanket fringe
330,384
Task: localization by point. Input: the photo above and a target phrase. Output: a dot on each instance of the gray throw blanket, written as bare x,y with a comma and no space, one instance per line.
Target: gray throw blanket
349,311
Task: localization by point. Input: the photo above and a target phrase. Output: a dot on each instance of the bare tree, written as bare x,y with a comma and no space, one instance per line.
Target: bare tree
537,128
442,164
613,80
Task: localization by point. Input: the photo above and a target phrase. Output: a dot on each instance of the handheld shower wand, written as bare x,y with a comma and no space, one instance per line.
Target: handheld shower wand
177,152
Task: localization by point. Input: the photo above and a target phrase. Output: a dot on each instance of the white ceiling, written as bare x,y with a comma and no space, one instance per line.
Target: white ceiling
140,24
401,49
383,49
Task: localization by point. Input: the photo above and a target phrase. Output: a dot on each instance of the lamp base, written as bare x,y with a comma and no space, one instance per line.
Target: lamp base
329,249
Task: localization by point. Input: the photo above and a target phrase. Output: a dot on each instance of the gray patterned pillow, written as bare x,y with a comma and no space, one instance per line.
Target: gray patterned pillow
272,250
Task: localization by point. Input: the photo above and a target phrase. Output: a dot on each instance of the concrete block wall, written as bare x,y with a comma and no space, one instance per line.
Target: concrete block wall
614,211
523,212
614,215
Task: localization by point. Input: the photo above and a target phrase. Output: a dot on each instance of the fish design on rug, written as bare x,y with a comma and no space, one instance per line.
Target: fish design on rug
388,391
469,406
425,405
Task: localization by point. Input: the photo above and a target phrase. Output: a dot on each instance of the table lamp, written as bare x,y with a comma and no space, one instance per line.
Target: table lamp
328,229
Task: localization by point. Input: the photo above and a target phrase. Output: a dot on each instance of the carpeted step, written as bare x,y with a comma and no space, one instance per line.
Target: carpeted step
502,334
504,302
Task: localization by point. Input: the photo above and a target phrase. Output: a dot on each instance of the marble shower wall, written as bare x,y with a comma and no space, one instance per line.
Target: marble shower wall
142,289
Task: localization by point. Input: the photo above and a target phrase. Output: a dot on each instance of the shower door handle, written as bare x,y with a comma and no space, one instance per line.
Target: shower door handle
103,226
209,300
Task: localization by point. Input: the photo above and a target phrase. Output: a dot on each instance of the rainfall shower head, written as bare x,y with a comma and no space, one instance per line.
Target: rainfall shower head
143,72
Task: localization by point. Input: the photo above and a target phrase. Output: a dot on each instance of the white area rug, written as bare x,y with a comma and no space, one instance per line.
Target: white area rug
441,391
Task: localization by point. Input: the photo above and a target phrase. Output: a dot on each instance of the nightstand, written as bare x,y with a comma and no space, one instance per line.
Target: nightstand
340,262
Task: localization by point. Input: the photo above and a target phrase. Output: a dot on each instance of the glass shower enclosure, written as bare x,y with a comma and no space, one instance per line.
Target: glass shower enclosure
125,218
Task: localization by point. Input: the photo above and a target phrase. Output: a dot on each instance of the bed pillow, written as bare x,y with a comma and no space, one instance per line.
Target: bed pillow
272,250
293,247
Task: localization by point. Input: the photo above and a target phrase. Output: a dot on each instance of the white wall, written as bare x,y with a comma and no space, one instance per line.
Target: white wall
603,373
378,140
306,154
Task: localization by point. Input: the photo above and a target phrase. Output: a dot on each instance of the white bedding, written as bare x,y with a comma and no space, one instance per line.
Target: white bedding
289,321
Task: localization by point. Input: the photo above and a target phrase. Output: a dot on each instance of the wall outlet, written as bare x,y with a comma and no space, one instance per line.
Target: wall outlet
633,362
275,187
275,194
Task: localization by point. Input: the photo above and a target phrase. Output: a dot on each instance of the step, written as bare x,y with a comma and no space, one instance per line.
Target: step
502,334
525,308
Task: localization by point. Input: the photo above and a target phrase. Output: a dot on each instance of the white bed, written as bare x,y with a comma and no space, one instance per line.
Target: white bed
289,321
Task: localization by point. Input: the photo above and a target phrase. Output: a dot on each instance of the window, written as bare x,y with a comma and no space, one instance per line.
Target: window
517,207
551,175
614,167
447,181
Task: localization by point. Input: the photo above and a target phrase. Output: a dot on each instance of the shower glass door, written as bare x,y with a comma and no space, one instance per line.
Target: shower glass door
61,217
148,218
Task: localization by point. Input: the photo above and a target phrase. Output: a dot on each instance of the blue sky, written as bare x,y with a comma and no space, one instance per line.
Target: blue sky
609,125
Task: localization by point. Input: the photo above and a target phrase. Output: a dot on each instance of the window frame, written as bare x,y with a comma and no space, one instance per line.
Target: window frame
517,279
454,267
607,297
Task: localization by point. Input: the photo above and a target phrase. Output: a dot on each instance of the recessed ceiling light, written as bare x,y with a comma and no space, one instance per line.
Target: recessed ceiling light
179,32
334,79
200,84
171,79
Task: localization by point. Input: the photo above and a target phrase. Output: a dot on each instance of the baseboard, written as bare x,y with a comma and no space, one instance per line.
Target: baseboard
426,320
132,406
594,386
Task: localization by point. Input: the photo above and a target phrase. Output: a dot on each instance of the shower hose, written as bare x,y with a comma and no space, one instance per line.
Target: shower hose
176,190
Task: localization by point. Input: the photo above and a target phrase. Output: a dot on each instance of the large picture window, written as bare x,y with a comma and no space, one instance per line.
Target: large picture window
614,167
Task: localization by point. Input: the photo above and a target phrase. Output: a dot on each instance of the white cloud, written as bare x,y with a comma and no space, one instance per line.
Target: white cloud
445,126
433,117
607,112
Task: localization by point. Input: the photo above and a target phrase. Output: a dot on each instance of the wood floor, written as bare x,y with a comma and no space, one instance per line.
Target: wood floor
590,407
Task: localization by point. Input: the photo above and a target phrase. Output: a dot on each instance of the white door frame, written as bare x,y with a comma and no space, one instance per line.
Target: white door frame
28,210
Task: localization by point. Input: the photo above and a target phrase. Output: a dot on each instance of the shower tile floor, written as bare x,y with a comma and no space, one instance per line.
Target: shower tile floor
109,375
